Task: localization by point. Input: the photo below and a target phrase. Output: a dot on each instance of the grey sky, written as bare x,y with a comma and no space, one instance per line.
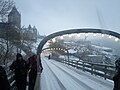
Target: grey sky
55,15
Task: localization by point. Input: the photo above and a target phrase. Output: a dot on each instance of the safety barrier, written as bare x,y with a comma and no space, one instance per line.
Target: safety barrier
11,80
105,71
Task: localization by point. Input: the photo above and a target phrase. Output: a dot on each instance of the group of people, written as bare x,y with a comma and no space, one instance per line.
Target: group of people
21,69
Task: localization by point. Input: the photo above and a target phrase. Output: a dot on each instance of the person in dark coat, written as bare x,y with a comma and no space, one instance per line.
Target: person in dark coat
48,56
20,68
32,71
116,77
4,83
41,67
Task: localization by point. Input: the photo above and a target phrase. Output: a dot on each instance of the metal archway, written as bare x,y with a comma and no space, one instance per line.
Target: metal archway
102,31
58,47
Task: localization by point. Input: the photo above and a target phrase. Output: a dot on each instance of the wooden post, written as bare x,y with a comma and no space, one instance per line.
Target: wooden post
83,66
105,72
77,64
92,69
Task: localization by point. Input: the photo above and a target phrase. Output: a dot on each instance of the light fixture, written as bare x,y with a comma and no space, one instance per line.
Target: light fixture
70,35
94,34
53,40
78,35
86,34
61,37
103,35
110,36
47,43
116,39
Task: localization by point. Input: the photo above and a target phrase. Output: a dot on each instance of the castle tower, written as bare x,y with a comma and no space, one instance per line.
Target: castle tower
35,30
30,27
14,17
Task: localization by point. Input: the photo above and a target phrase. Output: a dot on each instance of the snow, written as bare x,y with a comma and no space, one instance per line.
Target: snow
35,45
103,48
94,55
71,51
58,76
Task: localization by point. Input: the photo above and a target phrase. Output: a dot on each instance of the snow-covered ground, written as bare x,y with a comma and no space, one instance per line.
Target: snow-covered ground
58,76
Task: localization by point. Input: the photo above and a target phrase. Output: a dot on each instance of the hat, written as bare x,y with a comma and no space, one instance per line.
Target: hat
18,55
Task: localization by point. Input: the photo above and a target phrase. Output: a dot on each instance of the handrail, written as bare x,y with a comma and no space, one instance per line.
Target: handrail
11,79
37,83
103,70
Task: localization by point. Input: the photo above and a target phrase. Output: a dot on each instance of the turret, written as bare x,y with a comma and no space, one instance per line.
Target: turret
14,18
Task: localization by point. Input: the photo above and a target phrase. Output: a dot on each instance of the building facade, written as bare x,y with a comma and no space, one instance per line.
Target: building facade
14,24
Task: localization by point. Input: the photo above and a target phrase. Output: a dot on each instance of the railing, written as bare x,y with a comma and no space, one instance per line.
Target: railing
105,71
37,84
10,76
11,80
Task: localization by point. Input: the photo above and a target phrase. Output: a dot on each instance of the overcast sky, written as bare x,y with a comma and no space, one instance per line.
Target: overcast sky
55,15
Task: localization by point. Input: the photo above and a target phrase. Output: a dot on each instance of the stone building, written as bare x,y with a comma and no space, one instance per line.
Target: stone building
30,33
14,18
14,25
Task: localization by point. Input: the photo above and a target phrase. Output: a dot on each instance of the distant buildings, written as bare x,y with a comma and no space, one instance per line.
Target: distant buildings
14,18
92,53
30,33
14,23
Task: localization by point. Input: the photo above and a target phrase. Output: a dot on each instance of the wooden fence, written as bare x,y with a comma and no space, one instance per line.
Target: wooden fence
11,79
105,71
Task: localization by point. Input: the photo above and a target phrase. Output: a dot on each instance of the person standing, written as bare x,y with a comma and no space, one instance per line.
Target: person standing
116,77
32,71
20,68
4,83
49,56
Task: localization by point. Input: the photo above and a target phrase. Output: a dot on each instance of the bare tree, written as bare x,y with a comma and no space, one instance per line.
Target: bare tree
5,7
83,51
58,44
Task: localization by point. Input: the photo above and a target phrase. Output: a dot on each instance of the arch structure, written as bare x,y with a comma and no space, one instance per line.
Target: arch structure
57,48
72,31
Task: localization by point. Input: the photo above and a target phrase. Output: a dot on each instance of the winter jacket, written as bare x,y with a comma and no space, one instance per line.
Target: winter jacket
4,83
